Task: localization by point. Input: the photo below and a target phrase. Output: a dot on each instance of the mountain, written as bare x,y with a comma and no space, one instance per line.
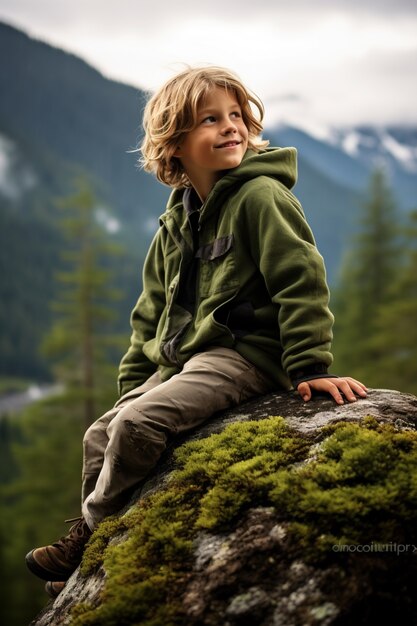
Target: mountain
60,117
348,155
392,147
60,107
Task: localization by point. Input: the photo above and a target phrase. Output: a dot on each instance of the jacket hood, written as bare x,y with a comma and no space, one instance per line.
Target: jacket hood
278,163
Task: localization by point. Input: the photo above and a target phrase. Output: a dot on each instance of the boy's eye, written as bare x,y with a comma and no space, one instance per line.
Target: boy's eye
210,119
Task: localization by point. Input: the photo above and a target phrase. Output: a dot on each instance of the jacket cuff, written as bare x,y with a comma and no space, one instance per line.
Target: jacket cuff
310,372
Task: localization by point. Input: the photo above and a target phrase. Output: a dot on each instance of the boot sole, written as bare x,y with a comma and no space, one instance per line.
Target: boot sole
51,591
43,573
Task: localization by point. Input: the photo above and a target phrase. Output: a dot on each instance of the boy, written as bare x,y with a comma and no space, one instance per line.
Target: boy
234,301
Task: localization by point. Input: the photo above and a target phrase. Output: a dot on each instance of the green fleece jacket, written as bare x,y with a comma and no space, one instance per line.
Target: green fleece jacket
260,283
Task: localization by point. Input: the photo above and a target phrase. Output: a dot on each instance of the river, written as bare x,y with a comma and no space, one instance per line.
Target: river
15,402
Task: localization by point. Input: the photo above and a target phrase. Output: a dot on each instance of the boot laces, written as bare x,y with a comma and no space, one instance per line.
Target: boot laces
77,537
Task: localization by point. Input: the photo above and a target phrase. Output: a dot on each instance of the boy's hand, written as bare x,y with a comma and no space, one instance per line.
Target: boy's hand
333,386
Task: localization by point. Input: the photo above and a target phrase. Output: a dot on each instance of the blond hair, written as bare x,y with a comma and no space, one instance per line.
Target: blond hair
172,112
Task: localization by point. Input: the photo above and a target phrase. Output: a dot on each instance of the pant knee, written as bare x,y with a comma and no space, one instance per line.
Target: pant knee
137,431
93,433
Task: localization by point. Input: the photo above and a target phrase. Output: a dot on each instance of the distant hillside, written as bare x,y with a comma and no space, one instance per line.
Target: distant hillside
56,102
60,117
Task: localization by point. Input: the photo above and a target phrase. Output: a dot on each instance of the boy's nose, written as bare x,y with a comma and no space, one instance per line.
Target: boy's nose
229,128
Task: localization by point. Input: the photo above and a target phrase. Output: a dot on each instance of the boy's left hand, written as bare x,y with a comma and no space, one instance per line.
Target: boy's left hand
333,386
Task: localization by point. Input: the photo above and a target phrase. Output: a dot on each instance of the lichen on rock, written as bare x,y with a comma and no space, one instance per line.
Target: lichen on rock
264,522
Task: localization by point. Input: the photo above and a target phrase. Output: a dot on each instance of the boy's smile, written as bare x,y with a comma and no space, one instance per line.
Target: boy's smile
217,142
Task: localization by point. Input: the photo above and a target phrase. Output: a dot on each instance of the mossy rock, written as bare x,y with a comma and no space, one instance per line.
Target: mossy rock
266,524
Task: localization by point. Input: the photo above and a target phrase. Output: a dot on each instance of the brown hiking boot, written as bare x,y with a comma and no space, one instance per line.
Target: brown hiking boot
54,588
58,561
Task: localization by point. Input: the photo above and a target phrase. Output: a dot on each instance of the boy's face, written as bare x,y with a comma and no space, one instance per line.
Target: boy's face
217,143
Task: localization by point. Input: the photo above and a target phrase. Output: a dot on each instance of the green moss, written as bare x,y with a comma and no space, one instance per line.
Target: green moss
236,465
361,486
108,529
145,571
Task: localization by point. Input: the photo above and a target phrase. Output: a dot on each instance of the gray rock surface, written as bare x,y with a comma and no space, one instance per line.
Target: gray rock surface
231,584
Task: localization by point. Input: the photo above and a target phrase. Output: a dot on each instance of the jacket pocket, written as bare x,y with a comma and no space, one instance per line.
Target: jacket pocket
217,266
216,249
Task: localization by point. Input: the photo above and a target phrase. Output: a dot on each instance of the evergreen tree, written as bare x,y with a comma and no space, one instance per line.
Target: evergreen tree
395,339
42,487
34,505
368,272
9,435
80,342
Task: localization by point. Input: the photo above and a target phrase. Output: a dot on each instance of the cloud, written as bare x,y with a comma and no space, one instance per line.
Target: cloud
341,60
112,18
377,90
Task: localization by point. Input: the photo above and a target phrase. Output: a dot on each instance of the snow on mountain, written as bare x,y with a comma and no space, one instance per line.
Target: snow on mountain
392,148
404,154
349,155
380,146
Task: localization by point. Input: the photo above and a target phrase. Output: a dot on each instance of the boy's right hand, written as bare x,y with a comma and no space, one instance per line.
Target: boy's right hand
334,386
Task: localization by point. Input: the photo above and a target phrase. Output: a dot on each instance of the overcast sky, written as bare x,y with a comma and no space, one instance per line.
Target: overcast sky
318,62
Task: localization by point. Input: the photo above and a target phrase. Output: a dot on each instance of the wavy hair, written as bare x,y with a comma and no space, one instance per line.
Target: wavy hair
172,112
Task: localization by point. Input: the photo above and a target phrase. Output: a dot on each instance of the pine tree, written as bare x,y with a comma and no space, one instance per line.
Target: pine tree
369,269
44,492
395,339
42,487
80,341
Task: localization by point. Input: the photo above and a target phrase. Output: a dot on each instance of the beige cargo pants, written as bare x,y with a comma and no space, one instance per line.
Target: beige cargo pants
123,445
